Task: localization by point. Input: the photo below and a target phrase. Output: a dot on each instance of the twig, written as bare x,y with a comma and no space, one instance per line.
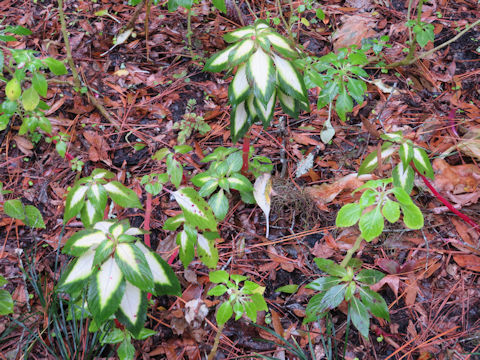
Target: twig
76,77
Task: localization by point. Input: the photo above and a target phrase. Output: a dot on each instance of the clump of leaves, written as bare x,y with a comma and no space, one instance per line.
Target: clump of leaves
29,214
190,122
264,73
96,189
348,284
376,203
114,271
246,300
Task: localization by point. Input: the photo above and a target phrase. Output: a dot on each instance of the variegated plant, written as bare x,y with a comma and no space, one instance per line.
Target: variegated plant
264,73
403,174
115,271
96,188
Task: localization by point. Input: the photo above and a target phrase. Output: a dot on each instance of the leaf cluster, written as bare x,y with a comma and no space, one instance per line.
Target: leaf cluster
348,284
29,214
246,300
264,73
116,271
376,203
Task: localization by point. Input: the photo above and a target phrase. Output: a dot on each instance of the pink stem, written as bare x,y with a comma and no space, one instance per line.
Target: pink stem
445,201
245,150
451,120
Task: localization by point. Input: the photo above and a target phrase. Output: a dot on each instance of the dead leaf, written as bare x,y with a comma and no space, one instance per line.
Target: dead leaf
470,262
393,281
99,147
24,145
262,191
353,30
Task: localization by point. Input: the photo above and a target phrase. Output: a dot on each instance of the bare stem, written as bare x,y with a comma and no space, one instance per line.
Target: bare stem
211,356
351,251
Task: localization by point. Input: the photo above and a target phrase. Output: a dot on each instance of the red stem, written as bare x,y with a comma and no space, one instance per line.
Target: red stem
245,150
146,225
445,201
451,120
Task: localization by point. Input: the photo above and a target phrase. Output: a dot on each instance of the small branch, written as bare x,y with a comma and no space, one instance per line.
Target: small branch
351,251
133,17
76,77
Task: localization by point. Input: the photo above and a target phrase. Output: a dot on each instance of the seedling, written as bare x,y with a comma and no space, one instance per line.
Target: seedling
247,300
190,122
29,214
6,301
347,284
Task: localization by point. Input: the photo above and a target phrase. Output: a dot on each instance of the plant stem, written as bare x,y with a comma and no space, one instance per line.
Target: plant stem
147,16
189,32
351,251
76,76
246,151
445,201
217,341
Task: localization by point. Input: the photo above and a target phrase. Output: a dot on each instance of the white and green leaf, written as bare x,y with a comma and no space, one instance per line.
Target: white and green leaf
77,273
165,281
280,44
105,291
219,61
241,52
403,177
132,311
98,196
134,266
187,247
219,204
75,201
83,240
261,73
239,87
288,103
238,121
207,251
239,34
406,153
90,214
371,161
195,209
265,112
239,182
422,162
123,196
289,79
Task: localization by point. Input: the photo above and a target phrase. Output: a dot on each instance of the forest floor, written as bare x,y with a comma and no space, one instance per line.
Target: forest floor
433,284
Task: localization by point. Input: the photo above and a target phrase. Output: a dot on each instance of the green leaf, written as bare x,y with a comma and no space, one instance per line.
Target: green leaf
327,94
374,302
182,149
239,182
175,170
103,251
145,333
391,211
75,201
40,83
131,260
74,278
164,278
369,276
368,198
402,196
13,89
348,215
360,317
289,289
265,111
330,267
224,313
314,308
208,188
289,79
239,87
403,177
259,302
55,66
187,247
173,223
207,251
3,281
344,104
412,216
123,196
239,278
6,302
83,240
132,311
261,73
126,351
219,61
371,224
333,297
234,162
14,208
201,179
114,336
323,283
218,290
357,89
350,291
219,204
105,291
196,210
219,276
288,103
18,30
239,121
422,162
30,99
33,217
239,34
251,310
